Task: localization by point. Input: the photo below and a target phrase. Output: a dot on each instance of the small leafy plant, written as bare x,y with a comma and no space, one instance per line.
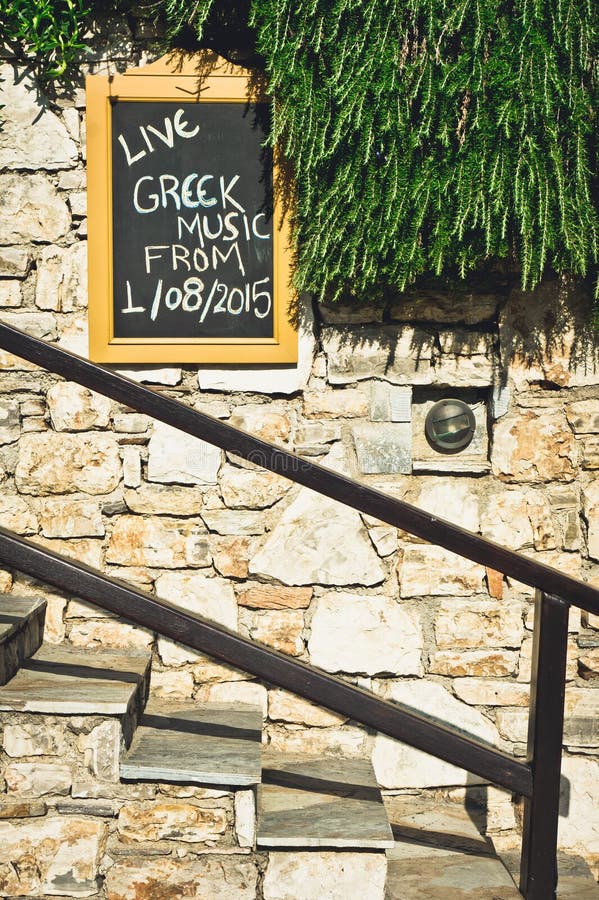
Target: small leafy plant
49,32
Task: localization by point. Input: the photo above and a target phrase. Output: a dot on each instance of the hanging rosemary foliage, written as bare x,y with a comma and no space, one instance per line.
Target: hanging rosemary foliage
428,136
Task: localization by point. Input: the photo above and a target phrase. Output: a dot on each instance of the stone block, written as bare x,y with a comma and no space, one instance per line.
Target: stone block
505,519
450,307
175,457
10,421
385,539
14,262
158,542
265,421
345,741
479,623
348,403
590,453
53,856
395,354
398,766
32,210
16,515
104,632
279,629
316,874
166,375
64,518
130,423
581,718
286,707
10,294
38,779
464,371
267,596
163,500
245,818
62,278
247,692
228,521
579,807
544,338
213,598
101,750
173,685
247,488
131,466
210,877
512,724
365,634
63,463
428,570
33,739
318,541
164,821
231,555
383,448
32,136
457,500
490,692
583,416
591,510
40,325
390,403
479,663
535,446
73,407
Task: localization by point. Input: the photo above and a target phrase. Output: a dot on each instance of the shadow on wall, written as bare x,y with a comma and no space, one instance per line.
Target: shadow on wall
549,331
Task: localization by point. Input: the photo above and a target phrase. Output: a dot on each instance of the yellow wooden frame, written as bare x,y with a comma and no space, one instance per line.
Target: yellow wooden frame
193,78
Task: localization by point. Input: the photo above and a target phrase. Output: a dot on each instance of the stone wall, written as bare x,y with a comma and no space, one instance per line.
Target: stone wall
310,577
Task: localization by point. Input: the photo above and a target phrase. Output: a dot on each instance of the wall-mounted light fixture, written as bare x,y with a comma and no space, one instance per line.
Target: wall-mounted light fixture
450,426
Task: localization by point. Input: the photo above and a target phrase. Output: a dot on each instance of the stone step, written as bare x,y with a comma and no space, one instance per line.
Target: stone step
21,632
309,801
575,879
65,680
440,854
211,744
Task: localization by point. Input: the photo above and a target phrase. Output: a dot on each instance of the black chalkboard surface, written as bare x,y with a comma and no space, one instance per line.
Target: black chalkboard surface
192,220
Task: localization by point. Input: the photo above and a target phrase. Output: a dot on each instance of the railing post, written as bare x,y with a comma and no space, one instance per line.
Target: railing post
538,868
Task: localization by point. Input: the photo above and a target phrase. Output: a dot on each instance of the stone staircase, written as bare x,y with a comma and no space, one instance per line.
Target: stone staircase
110,792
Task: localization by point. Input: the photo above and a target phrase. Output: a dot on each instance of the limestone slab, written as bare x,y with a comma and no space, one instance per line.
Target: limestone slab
213,744
320,802
318,541
330,874
205,878
64,680
32,136
32,209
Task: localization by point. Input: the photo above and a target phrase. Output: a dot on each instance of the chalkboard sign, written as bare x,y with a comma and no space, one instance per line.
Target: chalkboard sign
188,255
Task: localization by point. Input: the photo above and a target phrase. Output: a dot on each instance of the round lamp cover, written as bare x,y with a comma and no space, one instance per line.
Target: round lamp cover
450,426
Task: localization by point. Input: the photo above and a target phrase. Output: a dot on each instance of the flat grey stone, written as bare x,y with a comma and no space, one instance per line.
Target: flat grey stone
211,744
320,802
575,879
424,828
69,681
383,447
21,632
456,876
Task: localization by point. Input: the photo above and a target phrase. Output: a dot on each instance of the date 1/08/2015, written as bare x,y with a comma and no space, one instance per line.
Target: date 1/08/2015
254,299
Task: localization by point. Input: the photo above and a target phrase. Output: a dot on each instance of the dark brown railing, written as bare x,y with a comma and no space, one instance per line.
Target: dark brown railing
537,780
